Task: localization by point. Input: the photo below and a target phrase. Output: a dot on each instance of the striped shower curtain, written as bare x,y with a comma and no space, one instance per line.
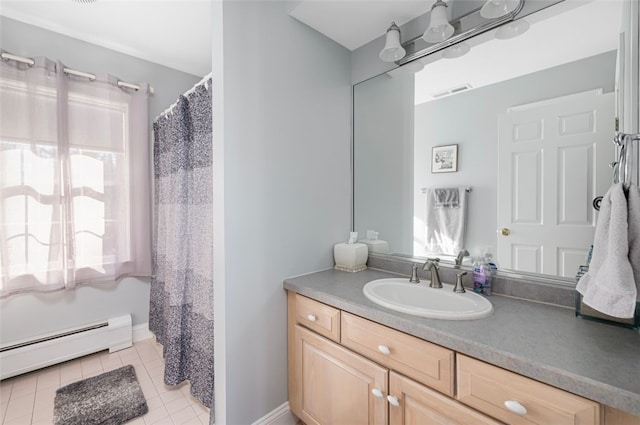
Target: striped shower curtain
181,306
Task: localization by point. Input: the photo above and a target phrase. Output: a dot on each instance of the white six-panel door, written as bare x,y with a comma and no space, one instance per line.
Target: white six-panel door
553,161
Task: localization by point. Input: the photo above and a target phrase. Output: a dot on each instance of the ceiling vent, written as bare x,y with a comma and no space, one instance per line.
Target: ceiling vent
451,91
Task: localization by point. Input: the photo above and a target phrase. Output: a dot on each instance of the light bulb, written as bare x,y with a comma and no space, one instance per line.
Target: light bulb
392,50
439,27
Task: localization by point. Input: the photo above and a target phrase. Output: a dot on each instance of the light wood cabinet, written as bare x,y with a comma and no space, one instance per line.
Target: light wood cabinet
421,360
334,385
366,373
418,404
318,317
518,400
616,417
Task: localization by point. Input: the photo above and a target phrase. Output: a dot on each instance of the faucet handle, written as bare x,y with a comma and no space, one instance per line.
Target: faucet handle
459,288
431,262
414,274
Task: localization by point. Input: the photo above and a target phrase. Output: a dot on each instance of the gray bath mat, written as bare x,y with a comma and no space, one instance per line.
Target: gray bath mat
112,398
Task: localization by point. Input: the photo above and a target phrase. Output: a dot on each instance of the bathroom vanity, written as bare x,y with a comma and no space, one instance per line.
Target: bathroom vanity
353,362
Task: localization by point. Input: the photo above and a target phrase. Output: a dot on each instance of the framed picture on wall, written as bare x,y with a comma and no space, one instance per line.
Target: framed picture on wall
444,159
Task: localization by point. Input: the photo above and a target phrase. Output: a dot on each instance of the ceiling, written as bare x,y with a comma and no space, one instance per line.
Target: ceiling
353,23
174,33
177,33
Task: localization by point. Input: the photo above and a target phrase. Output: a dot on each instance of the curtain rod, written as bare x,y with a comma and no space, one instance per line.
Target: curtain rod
204,81
31,62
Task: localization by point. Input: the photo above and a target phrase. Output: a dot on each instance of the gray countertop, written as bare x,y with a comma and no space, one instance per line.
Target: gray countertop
544,342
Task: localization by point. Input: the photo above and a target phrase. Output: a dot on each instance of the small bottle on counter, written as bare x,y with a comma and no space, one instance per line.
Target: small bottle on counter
481,277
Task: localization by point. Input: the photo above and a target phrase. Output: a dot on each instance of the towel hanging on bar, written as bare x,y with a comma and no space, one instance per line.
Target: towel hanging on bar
444,222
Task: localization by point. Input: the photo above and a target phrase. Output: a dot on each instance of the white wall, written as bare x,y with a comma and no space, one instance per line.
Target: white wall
27,315
281,118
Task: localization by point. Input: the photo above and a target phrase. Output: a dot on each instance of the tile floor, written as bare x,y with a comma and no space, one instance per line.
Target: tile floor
28,399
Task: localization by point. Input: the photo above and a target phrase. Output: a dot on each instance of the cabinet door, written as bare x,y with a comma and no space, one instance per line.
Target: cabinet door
418,405
333,386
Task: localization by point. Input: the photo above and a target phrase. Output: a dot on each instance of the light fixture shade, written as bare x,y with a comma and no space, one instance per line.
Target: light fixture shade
496,8
456,51
392,50
439,27
512,29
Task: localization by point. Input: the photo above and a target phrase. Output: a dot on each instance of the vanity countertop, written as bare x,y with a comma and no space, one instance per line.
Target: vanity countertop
544,342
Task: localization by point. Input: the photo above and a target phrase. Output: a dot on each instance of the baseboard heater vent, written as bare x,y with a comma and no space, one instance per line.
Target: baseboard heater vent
46,350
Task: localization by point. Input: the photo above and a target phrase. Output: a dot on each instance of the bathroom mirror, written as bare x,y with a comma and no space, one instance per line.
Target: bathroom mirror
533,118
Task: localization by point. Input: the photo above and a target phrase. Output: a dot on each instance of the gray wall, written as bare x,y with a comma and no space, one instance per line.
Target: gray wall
27,315
383,166
282,115
470,120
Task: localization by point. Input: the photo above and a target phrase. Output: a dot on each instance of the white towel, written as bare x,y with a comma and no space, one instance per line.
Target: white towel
445,221
609,285
633,201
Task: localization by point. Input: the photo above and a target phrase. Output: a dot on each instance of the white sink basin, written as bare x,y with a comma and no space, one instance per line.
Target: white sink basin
421,300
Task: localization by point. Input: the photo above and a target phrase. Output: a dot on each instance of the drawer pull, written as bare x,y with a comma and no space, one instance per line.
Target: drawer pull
384,350
377,393
393,400
515,407
312,317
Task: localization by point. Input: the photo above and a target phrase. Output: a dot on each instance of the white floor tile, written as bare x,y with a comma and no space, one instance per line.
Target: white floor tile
28,399
185,416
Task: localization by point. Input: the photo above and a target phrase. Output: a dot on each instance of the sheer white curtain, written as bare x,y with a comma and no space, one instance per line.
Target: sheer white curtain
74,178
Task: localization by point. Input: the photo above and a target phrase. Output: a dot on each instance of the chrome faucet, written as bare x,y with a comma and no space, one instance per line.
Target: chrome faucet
432,265
459,288
460,257
414,274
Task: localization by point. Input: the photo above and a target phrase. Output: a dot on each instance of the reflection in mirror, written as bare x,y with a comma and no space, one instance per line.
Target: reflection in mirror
533,119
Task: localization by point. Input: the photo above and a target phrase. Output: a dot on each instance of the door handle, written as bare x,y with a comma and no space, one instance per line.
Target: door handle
505,232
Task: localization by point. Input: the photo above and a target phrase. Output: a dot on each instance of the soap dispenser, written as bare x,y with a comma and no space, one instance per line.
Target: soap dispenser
481,277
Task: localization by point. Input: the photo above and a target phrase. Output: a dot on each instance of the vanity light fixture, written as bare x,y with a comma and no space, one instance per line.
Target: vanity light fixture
496,8
512,29
392,50
441,34
439,27
456,51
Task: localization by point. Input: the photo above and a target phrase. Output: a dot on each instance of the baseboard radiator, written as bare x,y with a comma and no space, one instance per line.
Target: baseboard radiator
24,356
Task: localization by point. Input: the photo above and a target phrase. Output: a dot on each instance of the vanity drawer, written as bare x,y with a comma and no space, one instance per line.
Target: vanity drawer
487,388
318,317
423,361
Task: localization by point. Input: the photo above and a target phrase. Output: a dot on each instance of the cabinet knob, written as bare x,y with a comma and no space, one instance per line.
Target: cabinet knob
377,393
393,400
515,407
312,317
384,350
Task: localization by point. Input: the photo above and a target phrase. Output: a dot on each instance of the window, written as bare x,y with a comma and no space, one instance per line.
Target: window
74,180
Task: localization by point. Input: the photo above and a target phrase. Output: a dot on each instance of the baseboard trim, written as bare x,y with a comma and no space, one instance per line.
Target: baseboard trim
280,416
141,332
